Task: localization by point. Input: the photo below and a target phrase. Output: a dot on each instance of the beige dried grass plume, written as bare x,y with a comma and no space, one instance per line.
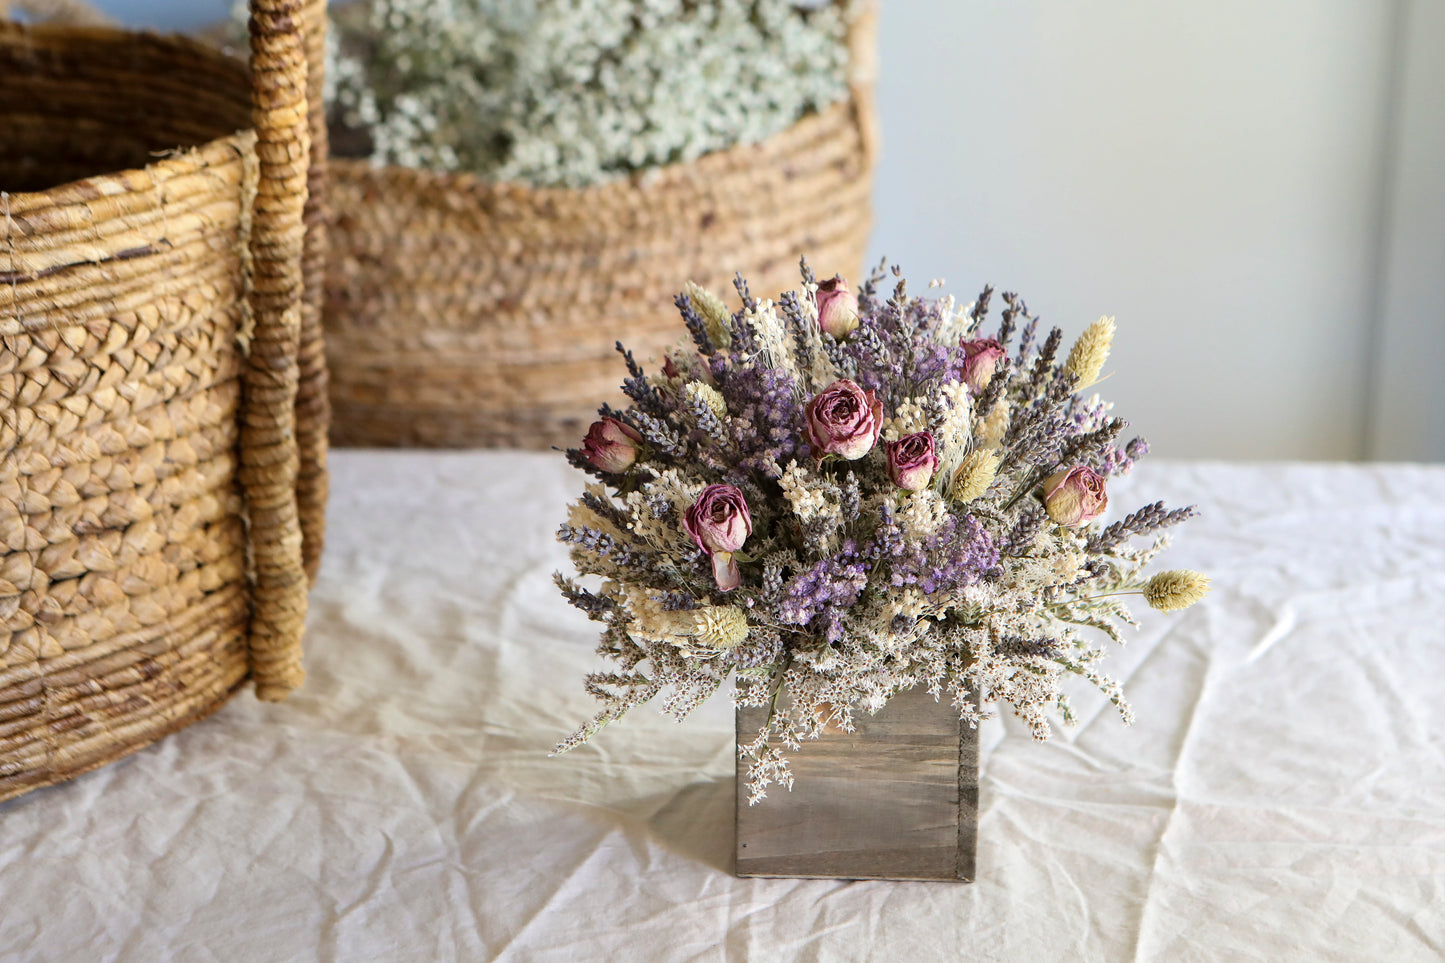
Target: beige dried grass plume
974,475
1176,589
1086,359
714,312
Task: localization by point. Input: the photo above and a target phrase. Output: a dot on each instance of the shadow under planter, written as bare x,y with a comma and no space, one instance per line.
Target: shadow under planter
895,799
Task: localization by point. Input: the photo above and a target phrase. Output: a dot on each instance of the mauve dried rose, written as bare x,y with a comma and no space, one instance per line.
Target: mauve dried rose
610,445
981,357
1075,496
837,308
843,420
719,523
912,461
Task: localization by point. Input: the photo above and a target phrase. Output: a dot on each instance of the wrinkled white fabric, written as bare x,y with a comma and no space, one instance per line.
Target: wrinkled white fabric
1281,797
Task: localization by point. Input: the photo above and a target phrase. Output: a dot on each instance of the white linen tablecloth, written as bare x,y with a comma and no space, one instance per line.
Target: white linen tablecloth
1281,797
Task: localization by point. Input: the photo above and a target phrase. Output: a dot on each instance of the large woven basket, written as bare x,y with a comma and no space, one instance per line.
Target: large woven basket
463,313
162,410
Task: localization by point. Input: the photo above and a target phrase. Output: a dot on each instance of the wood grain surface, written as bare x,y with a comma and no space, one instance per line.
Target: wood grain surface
895,799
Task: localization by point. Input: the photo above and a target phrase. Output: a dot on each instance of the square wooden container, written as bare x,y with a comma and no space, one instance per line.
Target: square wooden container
895,799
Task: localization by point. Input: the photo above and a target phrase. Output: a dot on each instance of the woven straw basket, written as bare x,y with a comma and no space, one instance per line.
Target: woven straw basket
162,410
464,313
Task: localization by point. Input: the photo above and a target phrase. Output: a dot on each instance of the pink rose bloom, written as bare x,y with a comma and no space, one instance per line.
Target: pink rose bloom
610,445
1075,496
912,461
981,357
719,522
837,308
843,420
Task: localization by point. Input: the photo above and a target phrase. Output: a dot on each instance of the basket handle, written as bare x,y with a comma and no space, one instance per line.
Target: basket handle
313,405
270,461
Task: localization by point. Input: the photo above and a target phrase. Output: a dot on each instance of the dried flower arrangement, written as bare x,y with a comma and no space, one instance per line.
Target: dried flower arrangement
575,92
835,497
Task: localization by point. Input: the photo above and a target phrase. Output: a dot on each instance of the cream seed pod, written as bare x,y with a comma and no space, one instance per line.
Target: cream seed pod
1176,589
1089,353
719,626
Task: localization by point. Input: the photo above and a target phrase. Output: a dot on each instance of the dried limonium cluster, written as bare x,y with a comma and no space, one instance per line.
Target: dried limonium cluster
575,92
834,497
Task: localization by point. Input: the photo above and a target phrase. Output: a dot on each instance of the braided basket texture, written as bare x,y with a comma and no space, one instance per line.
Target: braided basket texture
463,313
163,445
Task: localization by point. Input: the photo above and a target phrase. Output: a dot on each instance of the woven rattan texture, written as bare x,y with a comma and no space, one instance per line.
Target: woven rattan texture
148,516
461,313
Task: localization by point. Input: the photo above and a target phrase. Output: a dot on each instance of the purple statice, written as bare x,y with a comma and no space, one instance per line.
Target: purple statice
895,352
765,414
819,597
958,553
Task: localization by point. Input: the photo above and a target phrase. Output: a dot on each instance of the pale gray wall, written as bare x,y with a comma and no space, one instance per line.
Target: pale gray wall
1215,175
1256,191
1408,415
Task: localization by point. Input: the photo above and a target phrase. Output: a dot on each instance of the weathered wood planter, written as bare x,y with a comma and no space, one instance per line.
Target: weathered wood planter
895,799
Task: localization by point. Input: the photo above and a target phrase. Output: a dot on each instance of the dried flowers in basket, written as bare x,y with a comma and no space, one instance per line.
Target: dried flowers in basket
557,93
518,170
837,498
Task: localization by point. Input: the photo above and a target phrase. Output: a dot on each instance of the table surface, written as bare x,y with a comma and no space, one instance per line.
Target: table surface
1281,796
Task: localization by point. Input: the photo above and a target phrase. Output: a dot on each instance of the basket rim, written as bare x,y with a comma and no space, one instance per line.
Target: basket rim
109,182
637,182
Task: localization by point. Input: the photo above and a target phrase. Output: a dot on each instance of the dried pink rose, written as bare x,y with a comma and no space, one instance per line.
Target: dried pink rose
843,420
610,445
981,357
719,522
837,308
912,461
1075,496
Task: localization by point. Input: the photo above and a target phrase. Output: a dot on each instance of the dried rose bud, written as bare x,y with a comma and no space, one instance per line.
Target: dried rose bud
1075,496
843,420
837,308
610,445
912,461
719,523
980,359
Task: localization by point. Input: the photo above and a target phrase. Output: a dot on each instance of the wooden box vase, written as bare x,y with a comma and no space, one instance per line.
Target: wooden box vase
897,798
